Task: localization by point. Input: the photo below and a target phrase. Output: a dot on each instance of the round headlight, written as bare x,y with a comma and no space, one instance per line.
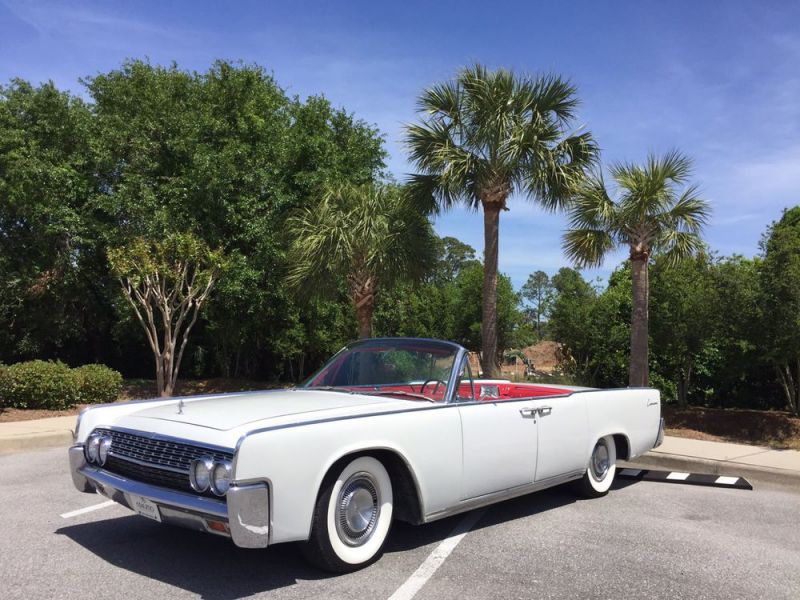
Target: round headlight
200,473
221,478
102,451
93,448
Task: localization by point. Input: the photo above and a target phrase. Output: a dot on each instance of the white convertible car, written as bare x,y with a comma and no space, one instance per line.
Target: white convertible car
388,429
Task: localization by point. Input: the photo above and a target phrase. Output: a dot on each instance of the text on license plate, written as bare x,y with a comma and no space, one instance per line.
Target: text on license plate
144,507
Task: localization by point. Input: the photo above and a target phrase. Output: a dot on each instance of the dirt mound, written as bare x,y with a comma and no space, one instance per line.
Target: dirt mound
544,355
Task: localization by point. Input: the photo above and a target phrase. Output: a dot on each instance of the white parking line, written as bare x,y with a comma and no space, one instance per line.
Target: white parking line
421,576
81,511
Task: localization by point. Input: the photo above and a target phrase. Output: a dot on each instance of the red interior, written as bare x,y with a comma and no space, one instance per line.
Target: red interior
506,391
509,391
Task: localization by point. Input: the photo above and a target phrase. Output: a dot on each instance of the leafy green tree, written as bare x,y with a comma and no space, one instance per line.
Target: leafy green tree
467,306
51,293
454,256
421,310
166,282
780,286
538,291
427,309
742,375
684,321
204,152
327,145
226,154
592,328
488,135
367,236
649,215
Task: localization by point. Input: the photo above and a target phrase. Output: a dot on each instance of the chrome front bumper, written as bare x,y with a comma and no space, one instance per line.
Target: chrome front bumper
246,515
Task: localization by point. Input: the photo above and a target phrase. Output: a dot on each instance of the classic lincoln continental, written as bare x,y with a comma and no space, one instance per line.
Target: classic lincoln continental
393,428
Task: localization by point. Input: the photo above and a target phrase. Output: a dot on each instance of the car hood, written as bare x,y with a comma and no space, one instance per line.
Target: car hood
231,411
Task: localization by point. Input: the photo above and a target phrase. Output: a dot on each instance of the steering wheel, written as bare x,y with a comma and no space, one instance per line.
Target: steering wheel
436,387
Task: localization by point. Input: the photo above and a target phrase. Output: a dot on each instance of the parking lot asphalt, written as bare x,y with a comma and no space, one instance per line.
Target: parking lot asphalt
644,540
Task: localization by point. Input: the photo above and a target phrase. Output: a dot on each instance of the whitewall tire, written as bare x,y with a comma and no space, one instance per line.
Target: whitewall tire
352,516
602,467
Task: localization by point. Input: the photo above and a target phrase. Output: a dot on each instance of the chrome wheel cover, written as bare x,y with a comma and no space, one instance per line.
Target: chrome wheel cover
358,508
600,461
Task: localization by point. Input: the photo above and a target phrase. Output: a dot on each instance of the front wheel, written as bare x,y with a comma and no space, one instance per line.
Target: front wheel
352,517
602,467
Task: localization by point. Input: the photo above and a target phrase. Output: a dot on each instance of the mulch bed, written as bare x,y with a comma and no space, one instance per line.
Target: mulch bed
777,429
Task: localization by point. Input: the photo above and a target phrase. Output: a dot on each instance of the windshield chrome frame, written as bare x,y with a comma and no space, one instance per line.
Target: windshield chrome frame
458,361
452,384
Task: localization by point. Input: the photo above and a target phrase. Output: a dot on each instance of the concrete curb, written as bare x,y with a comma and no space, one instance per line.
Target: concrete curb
35,441
715,467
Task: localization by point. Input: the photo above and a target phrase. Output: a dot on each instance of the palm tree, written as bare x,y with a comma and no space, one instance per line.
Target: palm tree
485,136
364,236
648,216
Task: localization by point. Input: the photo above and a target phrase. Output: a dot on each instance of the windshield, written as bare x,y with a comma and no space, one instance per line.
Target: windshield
408,368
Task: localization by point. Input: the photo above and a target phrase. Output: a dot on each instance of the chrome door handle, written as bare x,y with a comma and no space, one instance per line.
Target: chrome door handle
545,410
528,413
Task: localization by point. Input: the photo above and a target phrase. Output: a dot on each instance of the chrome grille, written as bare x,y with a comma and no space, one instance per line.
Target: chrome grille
156,461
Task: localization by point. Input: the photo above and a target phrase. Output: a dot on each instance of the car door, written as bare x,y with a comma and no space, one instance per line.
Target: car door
499,446
563,428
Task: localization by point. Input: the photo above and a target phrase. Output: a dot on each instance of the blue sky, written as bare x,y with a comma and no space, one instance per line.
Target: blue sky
718,80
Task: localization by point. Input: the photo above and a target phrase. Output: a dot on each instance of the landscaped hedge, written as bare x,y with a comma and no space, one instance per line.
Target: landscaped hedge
54,386
39,384
98,383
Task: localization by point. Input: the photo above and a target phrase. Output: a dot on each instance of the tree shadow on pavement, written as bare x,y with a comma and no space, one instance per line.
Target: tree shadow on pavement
207,565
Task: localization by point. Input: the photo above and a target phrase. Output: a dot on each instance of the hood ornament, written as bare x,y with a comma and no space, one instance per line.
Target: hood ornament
180,406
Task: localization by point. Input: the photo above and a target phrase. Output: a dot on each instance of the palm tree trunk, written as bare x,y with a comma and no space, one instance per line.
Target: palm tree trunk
639,321
362,295
364,309
491,234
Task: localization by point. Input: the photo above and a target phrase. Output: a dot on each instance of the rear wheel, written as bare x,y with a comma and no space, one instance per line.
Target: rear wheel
602,467
352,517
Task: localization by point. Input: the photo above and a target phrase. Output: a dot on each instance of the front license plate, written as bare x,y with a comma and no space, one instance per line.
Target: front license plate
144,507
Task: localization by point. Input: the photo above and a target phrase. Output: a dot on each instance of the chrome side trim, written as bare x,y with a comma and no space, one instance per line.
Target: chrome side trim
439,406
115,487
507,494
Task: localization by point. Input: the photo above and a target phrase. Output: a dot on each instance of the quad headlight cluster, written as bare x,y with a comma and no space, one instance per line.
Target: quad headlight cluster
97,448
206,473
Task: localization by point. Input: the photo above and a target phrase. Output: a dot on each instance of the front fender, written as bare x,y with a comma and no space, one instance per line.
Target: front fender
296,459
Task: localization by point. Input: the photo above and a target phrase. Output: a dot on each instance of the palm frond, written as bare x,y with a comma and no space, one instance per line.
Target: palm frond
689,213
372,229
442,100
591,206
676,246
550,94
560,171
501,132
587,247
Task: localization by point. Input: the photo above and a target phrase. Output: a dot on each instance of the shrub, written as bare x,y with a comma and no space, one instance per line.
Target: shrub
39,384
98,383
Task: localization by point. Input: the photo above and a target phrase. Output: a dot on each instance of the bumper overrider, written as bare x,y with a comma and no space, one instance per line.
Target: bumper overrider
244,516
660,437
